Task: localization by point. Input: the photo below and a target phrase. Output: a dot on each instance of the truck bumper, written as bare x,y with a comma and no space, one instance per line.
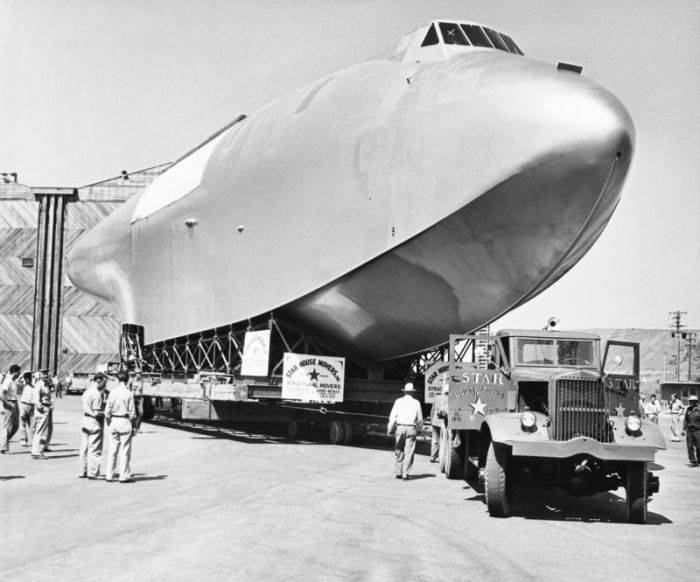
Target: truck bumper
583,446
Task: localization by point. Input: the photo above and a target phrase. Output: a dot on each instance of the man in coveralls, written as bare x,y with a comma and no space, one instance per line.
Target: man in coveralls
93,401
43,405
10,408
26,411
406,419
120,414
437,420
691,426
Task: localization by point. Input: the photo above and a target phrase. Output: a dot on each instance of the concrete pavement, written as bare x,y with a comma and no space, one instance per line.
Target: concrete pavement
230,505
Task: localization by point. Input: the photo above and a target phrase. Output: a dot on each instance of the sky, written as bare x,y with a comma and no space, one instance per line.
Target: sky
92,87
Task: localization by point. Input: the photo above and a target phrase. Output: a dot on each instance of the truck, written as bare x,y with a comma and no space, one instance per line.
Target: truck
541,408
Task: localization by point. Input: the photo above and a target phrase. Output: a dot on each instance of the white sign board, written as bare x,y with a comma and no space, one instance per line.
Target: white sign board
256,353
313,378
435,375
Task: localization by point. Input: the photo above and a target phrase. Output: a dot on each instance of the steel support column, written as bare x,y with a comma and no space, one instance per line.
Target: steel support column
48,287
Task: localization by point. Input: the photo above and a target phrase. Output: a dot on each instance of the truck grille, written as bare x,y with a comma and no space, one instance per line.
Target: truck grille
580,409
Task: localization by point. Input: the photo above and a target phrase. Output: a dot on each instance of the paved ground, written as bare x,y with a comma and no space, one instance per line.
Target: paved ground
250,507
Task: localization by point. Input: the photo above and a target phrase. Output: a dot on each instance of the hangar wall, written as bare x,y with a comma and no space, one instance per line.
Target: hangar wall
90,333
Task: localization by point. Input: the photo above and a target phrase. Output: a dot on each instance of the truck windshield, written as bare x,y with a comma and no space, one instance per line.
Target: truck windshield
555,352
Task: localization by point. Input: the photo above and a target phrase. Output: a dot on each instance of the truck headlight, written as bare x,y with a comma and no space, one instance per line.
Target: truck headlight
528,420
633,423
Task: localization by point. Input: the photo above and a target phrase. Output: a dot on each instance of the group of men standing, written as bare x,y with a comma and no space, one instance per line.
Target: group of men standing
27,404
118,413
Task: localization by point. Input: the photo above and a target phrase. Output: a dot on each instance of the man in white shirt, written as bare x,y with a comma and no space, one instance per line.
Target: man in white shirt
652,409
406,420
677,409
120,413
43,416
10,408
26,411
93,401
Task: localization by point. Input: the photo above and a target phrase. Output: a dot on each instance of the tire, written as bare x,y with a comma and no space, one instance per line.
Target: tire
453,462
347,432
337,432
498,481
636,485
470,472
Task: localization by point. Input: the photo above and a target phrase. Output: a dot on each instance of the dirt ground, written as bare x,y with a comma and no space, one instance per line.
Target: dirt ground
229,505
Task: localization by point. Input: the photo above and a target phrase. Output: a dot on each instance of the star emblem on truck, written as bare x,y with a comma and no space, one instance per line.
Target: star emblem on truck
479,407
620,409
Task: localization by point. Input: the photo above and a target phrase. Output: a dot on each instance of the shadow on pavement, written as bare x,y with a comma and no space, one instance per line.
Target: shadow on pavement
142,477
540,504
52,456
8,477
421,476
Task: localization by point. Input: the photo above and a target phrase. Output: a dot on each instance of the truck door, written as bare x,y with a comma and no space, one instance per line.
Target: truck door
621,377
479,382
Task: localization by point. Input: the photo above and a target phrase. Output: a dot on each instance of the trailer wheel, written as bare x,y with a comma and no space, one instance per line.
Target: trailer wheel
497,481
337,432
347,432
636,486
453,462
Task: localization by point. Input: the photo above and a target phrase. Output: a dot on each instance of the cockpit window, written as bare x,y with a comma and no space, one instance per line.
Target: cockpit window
432,37
476,36
452,34
496,39
514,48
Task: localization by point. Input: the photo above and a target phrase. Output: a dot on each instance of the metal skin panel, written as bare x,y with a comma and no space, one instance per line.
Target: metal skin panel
582,446
379,214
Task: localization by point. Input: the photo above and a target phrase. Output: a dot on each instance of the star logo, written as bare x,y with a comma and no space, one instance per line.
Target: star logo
313,375
620,409
479,407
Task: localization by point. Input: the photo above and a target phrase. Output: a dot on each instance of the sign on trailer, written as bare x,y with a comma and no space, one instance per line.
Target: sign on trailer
256,353
435,375
313,378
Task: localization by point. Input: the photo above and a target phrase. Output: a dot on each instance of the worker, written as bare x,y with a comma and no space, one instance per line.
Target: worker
677,409
120,414
10,408
691,428
93,401
43,417
405,421
26,411
438,414
652,409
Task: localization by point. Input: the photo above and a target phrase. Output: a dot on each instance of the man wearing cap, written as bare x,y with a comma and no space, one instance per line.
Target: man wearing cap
43,405
438,414
120,413
406,420
677,409
10,408
93,401
691,426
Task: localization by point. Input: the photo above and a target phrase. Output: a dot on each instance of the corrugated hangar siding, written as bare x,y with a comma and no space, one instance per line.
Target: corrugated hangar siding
90,333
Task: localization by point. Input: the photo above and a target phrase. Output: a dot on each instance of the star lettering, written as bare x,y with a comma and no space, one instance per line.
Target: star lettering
478,406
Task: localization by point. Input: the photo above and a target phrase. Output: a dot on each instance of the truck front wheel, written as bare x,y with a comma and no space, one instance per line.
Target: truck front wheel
636,486
498,488
453,460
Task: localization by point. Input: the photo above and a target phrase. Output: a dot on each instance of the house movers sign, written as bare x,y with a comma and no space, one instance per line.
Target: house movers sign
313,378
435,375
476,393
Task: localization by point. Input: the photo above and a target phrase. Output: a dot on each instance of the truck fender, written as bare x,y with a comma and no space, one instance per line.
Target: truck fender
650,434
504,428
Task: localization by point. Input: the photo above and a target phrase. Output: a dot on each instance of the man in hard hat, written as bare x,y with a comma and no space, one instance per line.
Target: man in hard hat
438,414
93,401
691,426
9,407
120,413
405,420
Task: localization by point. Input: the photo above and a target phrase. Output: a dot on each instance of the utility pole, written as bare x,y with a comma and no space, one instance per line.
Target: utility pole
690,338
678,332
